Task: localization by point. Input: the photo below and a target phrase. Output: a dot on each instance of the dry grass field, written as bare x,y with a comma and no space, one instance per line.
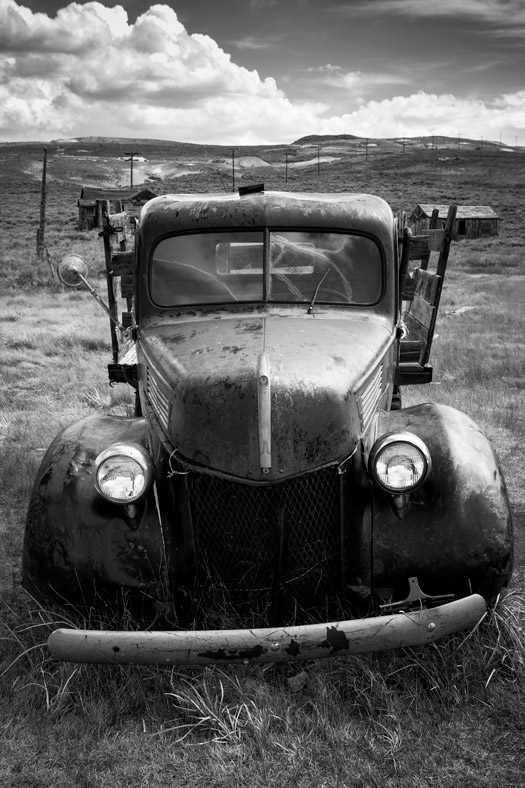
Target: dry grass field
447,715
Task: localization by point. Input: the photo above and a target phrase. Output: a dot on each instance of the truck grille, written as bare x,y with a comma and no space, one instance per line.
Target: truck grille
271,551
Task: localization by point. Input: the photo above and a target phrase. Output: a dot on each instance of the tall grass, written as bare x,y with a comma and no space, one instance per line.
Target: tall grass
450,714
436,715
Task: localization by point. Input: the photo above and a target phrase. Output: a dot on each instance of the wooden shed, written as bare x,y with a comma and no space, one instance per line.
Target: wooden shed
472,221
93,203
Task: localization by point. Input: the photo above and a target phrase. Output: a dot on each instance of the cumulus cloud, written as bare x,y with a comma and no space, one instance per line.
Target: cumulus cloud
89,71
424,113
89,58
77,29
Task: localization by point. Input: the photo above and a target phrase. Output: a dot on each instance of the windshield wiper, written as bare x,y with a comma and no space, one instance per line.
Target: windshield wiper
320,282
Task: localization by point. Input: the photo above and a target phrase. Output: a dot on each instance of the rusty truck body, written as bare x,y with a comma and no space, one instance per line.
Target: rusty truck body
271,499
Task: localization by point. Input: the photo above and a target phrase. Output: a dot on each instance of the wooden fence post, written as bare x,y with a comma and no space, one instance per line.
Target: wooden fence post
40,231
107,232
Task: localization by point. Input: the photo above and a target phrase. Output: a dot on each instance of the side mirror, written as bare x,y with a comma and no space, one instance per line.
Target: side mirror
72,270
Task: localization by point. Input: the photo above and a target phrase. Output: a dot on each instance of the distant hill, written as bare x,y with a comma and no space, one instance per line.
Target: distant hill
323,139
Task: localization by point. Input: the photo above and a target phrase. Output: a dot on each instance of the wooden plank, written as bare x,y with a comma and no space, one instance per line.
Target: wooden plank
419,247
426,285
421,311
416,330
403,262
445,248
120,224
122,263
112,299
414,374
409,288
410,351
435,239
126,286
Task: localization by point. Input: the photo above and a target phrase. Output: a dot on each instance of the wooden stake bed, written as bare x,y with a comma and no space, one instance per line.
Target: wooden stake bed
421,294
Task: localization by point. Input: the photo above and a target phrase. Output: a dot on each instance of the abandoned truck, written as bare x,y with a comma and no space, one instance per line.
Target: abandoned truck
271,499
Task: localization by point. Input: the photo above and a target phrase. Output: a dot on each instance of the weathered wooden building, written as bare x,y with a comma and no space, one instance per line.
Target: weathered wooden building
93,203
472,221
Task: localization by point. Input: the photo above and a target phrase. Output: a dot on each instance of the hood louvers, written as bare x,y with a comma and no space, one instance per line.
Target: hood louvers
369,397
158,400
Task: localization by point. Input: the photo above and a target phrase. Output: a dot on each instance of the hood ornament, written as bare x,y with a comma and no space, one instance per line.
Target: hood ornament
265,413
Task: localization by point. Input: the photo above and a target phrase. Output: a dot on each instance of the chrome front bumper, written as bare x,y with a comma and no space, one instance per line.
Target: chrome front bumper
279,644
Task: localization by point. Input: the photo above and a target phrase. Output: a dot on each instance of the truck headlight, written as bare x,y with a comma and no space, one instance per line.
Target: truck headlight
123,472
399,462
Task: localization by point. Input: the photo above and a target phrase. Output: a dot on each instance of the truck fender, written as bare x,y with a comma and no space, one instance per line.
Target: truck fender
456,532
76,542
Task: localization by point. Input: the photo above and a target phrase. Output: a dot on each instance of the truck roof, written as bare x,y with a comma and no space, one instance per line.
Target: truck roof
361,213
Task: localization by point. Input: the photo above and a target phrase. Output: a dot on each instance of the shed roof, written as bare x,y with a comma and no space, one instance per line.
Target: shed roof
463,211
143,195
93,193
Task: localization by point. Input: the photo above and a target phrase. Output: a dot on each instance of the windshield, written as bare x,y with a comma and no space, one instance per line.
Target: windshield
272,266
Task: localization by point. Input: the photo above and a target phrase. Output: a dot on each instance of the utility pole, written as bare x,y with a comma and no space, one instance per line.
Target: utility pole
40,231
131,155
318,160
286,167
366,149
233,169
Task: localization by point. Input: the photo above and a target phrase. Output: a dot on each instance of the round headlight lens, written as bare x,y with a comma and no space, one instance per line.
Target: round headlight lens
399,463
123,473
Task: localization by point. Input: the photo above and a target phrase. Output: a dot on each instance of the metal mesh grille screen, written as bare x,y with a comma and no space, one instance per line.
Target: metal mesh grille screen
273,549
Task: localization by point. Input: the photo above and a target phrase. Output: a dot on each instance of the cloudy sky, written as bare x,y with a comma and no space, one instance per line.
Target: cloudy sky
262,71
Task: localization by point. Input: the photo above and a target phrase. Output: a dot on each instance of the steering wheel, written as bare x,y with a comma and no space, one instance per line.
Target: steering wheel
291,287
344,297
207,275
344,281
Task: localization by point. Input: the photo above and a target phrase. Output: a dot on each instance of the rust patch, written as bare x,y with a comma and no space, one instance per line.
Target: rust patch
335,640
223,654
294,649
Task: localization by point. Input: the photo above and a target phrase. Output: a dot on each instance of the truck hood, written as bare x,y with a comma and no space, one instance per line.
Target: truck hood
264,397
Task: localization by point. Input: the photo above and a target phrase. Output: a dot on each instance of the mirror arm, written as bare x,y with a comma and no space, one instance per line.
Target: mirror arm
101,302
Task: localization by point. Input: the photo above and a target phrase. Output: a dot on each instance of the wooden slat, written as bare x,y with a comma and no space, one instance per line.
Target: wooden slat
416,330
414,374
126,286
410,351
120,223
426,285
419,247
409,288
422,311
435,239
122,263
